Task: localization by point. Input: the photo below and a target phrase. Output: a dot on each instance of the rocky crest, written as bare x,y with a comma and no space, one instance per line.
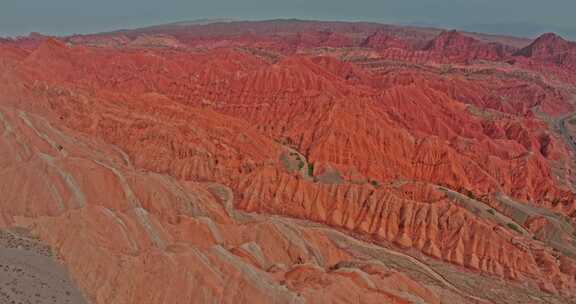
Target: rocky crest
546,46
458,46
382,40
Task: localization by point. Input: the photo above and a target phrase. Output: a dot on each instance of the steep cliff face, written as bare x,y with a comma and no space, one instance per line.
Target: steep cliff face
248,173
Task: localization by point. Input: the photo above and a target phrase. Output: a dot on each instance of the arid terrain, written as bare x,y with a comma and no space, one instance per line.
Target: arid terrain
287,161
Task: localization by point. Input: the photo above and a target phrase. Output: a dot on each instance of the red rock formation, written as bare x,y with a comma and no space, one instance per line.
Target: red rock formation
452,168
549,53
459,47
322,39
381,40
547,46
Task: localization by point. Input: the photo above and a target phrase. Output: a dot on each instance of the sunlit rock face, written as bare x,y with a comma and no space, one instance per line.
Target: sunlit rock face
291,162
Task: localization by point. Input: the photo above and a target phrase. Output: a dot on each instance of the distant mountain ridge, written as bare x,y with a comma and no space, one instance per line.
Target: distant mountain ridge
225,27
521,29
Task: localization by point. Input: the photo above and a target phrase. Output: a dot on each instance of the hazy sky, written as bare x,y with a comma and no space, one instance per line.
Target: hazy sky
62,17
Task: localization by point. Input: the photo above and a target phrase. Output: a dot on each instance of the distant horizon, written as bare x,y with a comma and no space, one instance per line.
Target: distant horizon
490,29
521,18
